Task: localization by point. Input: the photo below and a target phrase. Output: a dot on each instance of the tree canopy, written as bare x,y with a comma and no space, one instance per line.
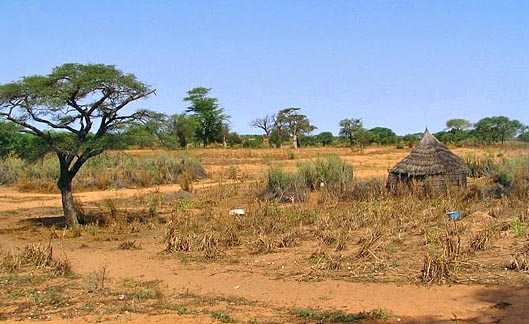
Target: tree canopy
350,128
383,136
294,123
458,124
499,128
82,100
209,116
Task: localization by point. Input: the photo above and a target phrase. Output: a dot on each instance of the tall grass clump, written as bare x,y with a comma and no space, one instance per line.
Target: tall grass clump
34,257
40,175
8,174
336,176
370,189
112,169
513,173
286,187
122,170
480,166
331,175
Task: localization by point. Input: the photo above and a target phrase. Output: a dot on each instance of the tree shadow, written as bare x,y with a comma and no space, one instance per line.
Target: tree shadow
46,221
507,305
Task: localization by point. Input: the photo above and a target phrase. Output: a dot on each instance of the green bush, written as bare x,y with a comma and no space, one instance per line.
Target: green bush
335,174
284,186
330,174
513,173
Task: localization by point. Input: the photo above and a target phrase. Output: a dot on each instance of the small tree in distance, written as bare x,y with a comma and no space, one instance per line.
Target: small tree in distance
294,123
350,129
266,124
209,116
498,128
325,138
82,101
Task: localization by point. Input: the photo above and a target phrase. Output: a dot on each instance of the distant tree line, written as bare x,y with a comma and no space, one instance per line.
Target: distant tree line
203,123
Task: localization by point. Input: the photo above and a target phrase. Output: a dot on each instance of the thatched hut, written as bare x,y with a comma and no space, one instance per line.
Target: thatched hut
432,164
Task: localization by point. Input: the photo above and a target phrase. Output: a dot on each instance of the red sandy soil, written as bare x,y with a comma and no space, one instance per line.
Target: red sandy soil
254,279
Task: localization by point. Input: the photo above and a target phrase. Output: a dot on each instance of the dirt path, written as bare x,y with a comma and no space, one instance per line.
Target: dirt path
11,199
411,303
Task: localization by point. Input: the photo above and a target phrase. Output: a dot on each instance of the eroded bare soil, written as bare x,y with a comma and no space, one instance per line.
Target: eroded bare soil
241,287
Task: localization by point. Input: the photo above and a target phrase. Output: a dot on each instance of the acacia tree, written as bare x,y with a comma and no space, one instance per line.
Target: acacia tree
296,124
325,138
524,134
354,131
458,130
81,101
458,124
209,116
349,129
500,128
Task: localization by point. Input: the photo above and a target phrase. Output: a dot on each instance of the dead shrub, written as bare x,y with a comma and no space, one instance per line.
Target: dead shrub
520,262
37,256
480,240
327,261
174,240
208,243
438,269
442,267
11,262
520,259
369,190
263,244
129,245
327,237
186,180
288,239
369,245
230,237
341,241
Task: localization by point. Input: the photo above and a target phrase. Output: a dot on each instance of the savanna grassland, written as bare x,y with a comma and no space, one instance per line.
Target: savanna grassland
321,240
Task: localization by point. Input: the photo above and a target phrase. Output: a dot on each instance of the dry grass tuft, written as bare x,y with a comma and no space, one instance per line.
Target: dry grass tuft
520,259
480,240
441,267
174,240
129,245
208,244
38,257
263,244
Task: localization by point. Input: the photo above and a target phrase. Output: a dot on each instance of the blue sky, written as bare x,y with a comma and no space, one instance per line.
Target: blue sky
397,64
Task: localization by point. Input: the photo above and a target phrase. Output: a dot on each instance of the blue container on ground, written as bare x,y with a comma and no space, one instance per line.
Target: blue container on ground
454,214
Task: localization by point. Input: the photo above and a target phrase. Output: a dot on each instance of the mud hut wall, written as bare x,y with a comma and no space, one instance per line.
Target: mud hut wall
440,183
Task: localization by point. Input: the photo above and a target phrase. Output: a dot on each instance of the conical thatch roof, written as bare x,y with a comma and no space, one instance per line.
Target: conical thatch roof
430,157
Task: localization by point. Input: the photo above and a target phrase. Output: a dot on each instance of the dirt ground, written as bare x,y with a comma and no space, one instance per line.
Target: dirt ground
256,288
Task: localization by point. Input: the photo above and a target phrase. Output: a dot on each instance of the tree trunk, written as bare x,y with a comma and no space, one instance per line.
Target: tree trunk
295,141
65,185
